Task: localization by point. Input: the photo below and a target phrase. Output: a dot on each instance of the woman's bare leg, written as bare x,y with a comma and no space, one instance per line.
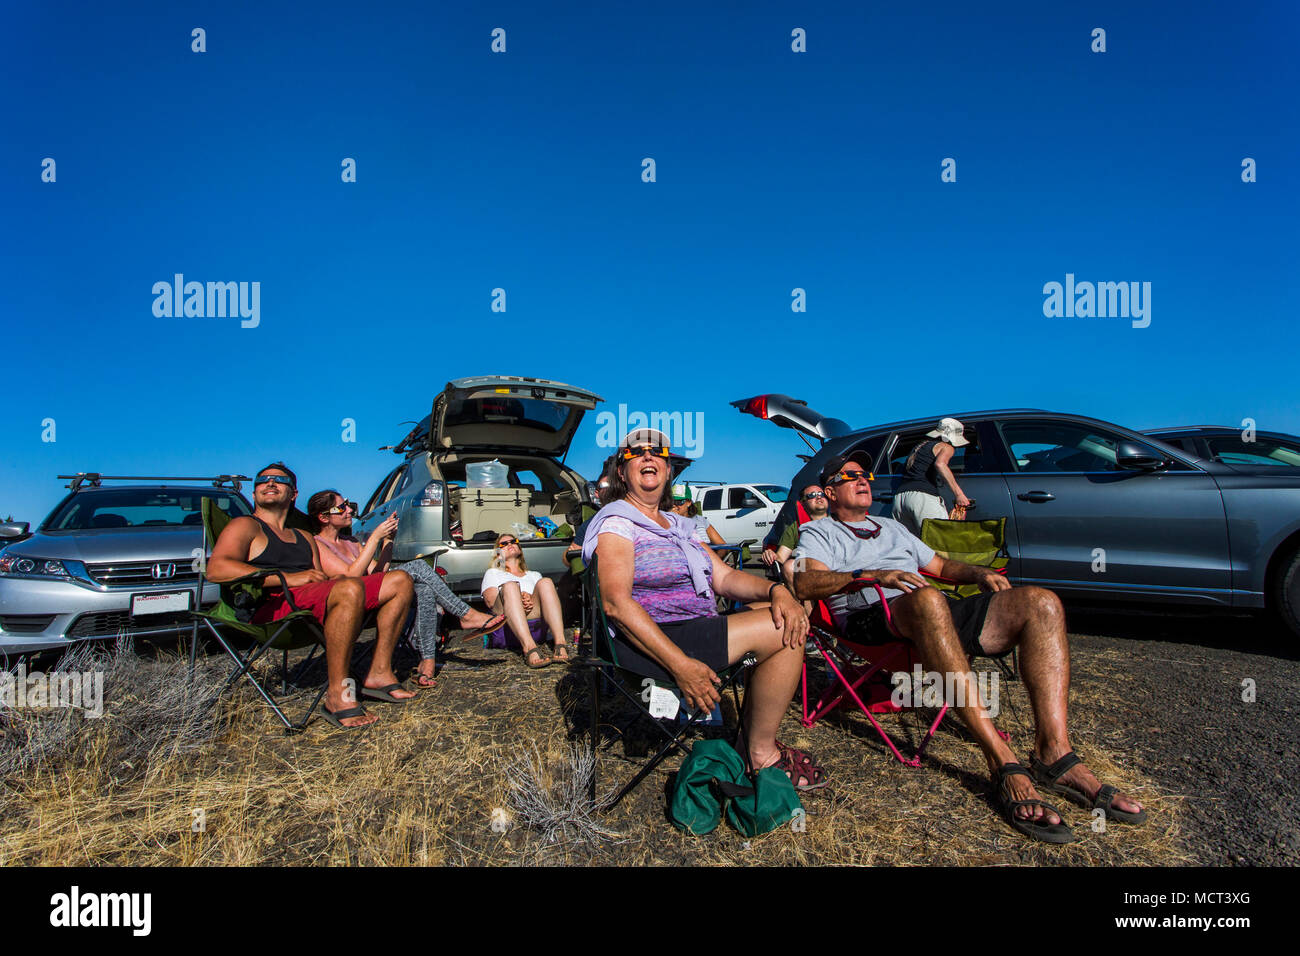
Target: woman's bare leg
772,685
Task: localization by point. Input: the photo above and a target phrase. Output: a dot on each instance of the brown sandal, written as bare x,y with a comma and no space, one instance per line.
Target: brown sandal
798,766
545,661
561,646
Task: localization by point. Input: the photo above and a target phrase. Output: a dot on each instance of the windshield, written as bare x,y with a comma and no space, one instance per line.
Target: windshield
774,492
139,508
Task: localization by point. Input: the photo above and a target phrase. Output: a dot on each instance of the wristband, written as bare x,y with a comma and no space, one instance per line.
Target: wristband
778,584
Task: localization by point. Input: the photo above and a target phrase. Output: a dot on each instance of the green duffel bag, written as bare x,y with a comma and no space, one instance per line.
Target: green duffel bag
713,776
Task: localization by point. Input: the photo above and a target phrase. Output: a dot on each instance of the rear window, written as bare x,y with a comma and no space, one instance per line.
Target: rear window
774,492
139,508
506,410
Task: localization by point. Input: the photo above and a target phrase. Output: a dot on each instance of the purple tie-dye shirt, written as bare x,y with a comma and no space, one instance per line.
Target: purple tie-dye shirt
661,582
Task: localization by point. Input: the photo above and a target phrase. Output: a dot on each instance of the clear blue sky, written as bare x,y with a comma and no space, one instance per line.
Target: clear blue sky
522,170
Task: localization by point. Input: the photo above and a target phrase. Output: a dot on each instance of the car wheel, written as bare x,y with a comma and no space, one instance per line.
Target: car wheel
1285,598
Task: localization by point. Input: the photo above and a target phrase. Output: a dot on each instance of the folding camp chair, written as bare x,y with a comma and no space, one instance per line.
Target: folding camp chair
863,672
296,630
982,543
599,654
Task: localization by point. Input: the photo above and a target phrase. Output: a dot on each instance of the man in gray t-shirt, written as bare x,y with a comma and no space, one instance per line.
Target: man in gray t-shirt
851,544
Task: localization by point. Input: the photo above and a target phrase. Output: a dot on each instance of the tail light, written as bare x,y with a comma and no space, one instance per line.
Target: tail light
756,407
431,496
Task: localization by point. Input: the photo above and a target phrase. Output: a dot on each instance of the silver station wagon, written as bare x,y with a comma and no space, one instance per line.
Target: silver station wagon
523,427
1094,510
109,561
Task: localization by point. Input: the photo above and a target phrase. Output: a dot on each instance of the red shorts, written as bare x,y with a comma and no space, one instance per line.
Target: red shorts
314,598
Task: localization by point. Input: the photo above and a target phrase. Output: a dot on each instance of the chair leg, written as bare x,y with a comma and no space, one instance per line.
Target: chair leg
595,730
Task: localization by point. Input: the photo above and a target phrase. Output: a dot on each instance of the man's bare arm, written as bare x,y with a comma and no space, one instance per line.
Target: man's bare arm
814,582
964,573
229,559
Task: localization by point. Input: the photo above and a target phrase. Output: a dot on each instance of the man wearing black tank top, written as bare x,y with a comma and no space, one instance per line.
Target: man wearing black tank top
262,542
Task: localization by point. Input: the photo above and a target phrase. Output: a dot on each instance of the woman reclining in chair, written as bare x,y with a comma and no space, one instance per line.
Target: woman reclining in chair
658,585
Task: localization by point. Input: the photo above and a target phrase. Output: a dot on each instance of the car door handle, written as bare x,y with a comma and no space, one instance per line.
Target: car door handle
1037,496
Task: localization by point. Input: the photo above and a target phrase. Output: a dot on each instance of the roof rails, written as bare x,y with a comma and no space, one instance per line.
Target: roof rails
94,479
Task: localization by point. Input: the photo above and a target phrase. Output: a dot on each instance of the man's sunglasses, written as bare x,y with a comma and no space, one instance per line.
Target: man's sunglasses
814,494
854,475
345,506
866,534
658,451
278,479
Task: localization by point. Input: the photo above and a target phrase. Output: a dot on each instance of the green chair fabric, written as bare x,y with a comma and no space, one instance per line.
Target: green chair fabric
982,543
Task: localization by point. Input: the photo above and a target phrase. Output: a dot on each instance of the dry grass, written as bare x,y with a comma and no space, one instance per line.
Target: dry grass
421,787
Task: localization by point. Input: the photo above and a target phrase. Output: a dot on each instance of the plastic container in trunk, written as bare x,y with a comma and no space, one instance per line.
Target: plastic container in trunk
487,474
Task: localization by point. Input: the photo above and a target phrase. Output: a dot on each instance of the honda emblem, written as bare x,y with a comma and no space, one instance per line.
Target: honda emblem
161,572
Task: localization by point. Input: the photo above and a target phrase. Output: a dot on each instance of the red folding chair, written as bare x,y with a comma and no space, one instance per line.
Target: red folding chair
863,672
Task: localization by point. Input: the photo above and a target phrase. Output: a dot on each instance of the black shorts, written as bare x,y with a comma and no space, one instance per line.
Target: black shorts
968,614
703,638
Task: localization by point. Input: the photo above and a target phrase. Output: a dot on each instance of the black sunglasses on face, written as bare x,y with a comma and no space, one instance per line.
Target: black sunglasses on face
277,479
658,451
815,494
506,542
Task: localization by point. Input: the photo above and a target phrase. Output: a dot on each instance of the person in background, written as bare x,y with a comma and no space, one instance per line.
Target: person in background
509,588
813,499
925,474
705,533
342,556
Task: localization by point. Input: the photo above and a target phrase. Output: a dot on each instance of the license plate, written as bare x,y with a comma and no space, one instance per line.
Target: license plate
169,603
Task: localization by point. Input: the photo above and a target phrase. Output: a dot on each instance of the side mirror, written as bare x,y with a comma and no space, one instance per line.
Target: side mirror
1132,456
13,529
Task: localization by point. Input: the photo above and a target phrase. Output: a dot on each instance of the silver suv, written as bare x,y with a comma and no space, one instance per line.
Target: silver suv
524,423
110,561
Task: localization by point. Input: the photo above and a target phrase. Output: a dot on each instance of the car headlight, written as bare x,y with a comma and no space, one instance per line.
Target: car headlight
25,566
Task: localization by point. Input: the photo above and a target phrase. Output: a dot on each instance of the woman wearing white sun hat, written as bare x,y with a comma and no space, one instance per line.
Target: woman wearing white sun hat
926,473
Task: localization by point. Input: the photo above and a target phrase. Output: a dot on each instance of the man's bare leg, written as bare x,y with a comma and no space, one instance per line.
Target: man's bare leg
1033,619
395,596
343,611
924,618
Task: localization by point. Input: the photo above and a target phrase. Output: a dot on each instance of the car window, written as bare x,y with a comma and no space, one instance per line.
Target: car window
713,500
139,508
1232,450
508,410
397,484
377,498
774,493
742,498
966,459
1059,447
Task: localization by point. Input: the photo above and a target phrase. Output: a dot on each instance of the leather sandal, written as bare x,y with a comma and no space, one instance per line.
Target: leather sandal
1049,778
1038,829
542,659
798,766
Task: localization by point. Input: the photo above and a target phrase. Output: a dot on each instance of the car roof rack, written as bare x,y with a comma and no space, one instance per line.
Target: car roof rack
94,479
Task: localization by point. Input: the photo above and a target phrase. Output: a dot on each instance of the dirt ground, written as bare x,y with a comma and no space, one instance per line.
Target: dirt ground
1156,703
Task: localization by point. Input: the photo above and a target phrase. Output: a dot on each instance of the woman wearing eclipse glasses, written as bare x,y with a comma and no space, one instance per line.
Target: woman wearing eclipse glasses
659,584
340,555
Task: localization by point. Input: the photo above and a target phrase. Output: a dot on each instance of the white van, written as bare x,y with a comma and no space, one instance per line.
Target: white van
741,512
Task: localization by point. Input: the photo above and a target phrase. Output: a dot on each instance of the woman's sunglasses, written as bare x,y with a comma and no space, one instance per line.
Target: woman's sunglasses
658,451
341,508
506,542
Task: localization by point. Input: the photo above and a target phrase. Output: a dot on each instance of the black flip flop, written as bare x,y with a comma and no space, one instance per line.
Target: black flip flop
1038,829
336,717
385,694
1049,778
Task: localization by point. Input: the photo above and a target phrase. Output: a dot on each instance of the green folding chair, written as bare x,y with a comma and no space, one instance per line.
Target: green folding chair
982,543
239,600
